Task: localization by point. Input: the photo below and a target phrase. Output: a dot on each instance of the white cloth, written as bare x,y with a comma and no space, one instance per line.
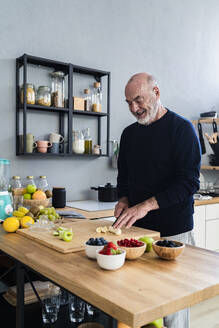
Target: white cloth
180,319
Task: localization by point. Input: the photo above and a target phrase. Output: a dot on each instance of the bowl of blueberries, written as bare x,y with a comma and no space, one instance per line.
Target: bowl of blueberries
168,249
94,244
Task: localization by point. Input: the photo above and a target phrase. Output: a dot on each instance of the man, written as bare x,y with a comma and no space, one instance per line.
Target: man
158,170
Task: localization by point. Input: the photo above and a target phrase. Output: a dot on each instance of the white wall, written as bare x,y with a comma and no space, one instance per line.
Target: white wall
176,40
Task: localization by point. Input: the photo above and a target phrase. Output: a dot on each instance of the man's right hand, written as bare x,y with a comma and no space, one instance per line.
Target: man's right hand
122,205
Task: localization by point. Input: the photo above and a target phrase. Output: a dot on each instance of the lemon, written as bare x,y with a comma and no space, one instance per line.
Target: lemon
26,221
23,210
11,224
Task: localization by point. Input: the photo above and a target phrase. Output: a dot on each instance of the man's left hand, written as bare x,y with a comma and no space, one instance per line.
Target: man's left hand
130,215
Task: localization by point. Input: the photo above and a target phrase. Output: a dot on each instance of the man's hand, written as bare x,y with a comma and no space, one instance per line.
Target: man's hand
121,206
130,215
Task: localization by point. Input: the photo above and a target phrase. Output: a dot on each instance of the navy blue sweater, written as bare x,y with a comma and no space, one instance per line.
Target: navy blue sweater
161,160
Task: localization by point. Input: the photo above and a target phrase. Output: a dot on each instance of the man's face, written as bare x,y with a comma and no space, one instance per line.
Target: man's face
142,101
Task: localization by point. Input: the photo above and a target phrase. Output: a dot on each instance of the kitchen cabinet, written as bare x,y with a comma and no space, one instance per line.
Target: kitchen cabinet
63,114
199,225
206,226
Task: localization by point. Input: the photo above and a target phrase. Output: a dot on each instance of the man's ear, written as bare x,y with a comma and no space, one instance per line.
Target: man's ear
156,91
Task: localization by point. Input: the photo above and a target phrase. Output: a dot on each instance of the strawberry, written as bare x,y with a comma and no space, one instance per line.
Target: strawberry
111,245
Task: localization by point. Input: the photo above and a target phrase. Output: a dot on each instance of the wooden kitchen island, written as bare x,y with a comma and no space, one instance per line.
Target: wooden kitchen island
141,291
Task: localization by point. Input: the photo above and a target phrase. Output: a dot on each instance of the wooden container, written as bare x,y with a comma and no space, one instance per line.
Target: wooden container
78,103
35,202
168,253
132,253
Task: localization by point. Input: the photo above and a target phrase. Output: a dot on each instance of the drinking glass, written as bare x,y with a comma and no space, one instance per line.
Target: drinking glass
51,304
76,308
91,310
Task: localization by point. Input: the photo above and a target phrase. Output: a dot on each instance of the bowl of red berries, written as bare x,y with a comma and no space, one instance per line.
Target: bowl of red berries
133,247
110,257
168,249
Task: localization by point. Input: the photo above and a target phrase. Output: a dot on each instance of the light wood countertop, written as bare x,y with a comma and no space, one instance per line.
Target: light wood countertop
214,200
140,292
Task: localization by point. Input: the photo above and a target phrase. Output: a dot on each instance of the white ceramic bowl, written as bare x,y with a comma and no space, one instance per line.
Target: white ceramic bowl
111,262
90,250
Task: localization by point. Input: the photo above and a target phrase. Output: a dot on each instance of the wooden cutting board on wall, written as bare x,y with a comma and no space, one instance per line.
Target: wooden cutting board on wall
83,230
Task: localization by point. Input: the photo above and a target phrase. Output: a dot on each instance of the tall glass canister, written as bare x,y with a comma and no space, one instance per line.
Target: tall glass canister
58,89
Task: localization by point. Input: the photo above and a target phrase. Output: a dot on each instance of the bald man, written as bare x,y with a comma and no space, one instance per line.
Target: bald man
158,170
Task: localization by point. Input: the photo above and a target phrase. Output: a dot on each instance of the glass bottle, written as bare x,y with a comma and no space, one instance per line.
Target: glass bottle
96,98
87,100
87,141
30,180
58,89
15,183
43,96
30,94
43,184
78,142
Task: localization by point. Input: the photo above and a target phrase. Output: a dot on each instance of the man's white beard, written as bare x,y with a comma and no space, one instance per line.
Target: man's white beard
151,114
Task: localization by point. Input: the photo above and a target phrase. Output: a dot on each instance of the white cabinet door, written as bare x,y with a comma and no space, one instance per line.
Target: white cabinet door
212,212
212,235
199,225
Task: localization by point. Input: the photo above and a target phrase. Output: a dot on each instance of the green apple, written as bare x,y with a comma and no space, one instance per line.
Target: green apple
148,241
156,324
67,235
31,188
27,196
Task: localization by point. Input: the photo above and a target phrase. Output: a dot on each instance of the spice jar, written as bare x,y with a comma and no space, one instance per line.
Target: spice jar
58,89
30,94
78,146
97,149
43,97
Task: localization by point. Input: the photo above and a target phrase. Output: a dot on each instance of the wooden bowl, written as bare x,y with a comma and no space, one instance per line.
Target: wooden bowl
133,253
168,253
36,202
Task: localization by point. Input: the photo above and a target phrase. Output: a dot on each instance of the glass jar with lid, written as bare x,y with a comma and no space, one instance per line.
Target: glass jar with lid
58,89
43,96
78,146
30,94
30,180
96,97
42,183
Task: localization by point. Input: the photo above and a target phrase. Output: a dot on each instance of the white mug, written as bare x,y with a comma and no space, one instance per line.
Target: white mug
56,138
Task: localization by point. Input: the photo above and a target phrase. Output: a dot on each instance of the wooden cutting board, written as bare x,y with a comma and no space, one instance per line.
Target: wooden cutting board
83,230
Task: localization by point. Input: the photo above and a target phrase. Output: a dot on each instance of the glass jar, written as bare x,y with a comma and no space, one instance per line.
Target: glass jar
43,97
15,183
96,98
78,142
30,94
30,180
42,183
58,89
87,100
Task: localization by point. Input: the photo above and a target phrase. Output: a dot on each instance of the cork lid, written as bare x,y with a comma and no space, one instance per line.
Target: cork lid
86,91
96,84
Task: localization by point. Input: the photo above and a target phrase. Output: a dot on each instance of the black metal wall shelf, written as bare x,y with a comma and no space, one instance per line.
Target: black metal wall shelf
69,70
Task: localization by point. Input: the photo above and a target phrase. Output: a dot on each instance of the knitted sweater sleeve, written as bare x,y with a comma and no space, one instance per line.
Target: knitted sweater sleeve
186,157
122,178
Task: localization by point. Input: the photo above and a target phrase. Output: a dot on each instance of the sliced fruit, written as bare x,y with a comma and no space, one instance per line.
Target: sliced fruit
67,235
11,224
26,221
